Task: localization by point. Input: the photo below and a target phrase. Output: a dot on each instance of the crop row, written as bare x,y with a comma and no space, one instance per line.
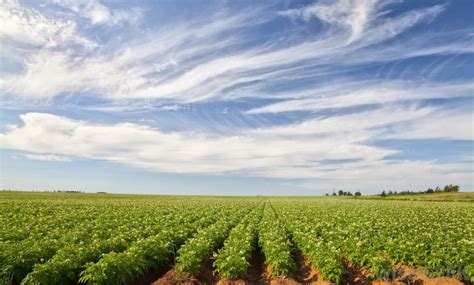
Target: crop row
233,259
274,240
191,254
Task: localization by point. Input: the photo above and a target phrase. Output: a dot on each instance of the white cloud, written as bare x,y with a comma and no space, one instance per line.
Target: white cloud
348,93
46,157
46,74
350,15
124,74
144,147
27,26
388,122
448,124
354,127
389,28
294,151
396,175
99,14
362,20
205,60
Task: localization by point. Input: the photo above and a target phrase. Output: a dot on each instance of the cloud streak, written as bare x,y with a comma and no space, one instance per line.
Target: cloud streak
46,157
210,71
300,151
99,14
142,146
349,94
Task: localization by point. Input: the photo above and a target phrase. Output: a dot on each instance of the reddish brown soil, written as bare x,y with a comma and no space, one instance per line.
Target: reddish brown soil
255,275
355,275
260,274
205,276
168,278
416,276
150,276
305,273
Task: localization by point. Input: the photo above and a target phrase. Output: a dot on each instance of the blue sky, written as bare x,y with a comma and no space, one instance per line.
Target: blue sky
236,97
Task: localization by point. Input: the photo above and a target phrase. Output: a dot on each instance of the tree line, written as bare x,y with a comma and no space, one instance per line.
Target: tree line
345,193
446,189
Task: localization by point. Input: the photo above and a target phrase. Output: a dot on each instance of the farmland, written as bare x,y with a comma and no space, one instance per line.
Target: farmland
59,238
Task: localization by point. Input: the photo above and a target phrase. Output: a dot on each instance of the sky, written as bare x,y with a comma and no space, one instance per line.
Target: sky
236,97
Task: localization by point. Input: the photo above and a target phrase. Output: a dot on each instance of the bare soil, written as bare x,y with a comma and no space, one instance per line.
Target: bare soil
416,276
152,275
305,273
356,275
205,276
260,274
256,273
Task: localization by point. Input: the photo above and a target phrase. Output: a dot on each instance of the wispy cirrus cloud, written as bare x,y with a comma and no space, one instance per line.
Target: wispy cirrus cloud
203,75
352,17
46,157
99,14
348,93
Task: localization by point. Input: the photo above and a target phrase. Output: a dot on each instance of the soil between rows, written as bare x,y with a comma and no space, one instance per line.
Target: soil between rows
260,274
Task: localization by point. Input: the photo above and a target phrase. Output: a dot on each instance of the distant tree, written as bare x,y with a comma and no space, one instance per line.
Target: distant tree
451,188
349,193
340,192
334,194
358,193
390,193
383,194
327,194
430,190
437,189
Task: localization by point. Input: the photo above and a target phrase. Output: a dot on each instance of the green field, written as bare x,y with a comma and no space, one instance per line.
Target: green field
459,196
60,238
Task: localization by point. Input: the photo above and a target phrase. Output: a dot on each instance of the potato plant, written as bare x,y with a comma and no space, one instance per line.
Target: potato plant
276,245
145,254
232,260
191,254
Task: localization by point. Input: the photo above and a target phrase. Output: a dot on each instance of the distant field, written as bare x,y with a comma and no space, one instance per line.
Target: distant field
459,196
76,238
